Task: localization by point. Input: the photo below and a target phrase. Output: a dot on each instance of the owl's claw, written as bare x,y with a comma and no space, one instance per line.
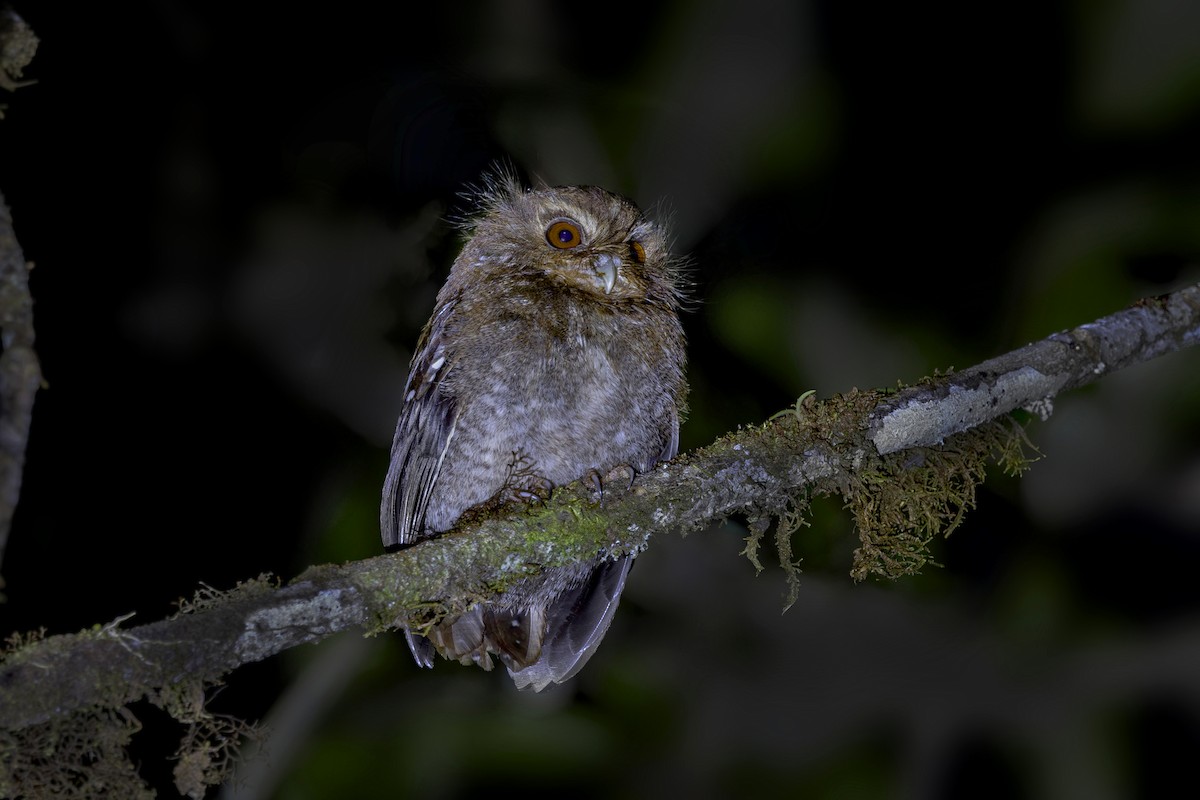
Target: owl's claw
523,484
528,490
621,473
532,491
592,476
618,475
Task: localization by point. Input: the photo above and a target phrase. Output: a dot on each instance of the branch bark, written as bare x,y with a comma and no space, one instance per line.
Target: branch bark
20,374
756,470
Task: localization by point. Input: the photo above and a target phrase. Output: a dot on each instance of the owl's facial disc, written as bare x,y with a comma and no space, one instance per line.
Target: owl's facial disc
607,267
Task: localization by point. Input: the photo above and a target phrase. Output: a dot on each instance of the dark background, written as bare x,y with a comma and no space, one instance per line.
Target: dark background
237,216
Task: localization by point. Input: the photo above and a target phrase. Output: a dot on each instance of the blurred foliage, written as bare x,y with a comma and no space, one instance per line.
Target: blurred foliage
242,235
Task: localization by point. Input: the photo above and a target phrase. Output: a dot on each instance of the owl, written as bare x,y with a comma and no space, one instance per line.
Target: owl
554,352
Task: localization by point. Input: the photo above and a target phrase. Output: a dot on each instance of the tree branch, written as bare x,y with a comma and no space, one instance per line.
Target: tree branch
760,471
20,375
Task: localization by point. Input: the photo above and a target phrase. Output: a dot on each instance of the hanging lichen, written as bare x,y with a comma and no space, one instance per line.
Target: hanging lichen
900,502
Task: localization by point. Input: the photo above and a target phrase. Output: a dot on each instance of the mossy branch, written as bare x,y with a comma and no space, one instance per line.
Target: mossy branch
906,461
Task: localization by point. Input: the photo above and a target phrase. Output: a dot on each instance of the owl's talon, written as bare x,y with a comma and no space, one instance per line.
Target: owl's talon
618,475
596,483
621,473
533,492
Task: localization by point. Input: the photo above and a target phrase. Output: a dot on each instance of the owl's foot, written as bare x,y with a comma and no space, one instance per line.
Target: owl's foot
621,475
522,485
531,491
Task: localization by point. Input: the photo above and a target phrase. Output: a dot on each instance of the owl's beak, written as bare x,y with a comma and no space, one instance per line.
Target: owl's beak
607,266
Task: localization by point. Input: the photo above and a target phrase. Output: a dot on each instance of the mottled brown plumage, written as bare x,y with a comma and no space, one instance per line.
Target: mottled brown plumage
554,350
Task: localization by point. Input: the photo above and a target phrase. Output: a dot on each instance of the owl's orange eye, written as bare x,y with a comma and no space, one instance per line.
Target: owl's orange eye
639,252
564,234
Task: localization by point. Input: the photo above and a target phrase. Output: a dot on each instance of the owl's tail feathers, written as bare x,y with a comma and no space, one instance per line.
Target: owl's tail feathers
422,648
578,620
472,638
539,645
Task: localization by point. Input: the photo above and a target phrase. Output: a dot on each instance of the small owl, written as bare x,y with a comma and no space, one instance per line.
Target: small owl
554,353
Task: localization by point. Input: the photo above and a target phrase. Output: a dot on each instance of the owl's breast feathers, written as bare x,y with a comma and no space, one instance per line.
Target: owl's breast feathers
567,389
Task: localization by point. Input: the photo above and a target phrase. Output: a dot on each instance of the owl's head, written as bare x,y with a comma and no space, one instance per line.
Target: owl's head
579,238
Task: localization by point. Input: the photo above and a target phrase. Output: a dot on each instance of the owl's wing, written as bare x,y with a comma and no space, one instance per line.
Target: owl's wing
671,445
423,433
